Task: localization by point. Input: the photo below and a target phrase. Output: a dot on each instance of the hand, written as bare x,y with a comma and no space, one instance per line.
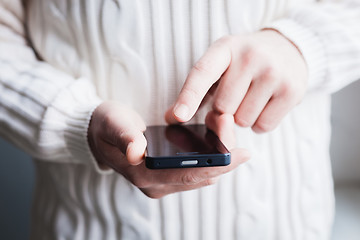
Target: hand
257,79
116,139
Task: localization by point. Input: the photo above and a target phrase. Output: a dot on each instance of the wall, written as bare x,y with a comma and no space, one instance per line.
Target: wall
16,184
345,145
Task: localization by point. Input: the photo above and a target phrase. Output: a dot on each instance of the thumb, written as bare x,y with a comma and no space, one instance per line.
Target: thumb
133,145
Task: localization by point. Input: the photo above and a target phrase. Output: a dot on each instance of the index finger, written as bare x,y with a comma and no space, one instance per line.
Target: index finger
202,76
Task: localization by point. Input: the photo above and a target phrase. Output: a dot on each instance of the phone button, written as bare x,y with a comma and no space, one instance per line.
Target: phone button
189,162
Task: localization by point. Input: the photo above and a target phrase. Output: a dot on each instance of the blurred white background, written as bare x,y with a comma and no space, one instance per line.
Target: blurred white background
345,153
17,174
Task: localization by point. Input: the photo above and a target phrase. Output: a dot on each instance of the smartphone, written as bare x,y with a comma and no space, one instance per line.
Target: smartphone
184,146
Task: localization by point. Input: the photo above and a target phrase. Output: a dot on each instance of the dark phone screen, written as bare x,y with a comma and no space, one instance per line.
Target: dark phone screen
182,140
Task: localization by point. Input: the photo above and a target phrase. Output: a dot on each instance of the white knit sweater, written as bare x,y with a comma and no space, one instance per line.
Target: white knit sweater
75,54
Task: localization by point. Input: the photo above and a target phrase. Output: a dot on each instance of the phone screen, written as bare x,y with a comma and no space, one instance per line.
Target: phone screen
179,146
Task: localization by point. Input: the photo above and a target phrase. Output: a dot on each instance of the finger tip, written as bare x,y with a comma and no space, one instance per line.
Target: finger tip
257,130
171,118
181,112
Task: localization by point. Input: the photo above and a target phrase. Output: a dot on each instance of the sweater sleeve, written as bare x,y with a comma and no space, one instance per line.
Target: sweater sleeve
43,111
327,33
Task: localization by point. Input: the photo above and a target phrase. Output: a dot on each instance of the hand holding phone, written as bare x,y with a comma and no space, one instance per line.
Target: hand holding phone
125,154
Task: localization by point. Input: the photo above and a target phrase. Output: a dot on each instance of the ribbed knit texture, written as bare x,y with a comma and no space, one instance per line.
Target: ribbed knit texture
139,52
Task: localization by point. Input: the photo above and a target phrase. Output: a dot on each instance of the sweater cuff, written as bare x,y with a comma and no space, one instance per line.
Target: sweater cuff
76,135
74,107
310,46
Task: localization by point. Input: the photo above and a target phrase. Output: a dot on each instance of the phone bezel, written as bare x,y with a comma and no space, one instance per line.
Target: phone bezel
176,161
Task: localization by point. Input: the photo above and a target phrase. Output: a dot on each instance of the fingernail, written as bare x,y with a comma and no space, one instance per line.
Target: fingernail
181,111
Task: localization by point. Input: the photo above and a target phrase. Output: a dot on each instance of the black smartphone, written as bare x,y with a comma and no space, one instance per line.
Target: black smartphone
184,146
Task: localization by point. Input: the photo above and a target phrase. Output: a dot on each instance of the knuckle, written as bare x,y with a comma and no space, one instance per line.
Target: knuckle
271,72
269,76
292,94
288,90
249,52
203,66
189,179
192,93
253,56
